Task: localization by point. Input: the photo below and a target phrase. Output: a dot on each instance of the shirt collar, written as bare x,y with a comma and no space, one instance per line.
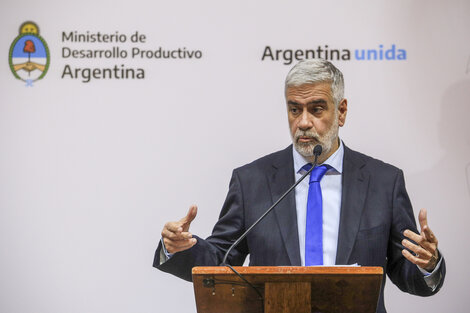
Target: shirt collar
335,160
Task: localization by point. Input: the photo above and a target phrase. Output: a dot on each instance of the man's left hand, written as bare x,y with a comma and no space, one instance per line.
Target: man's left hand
425,249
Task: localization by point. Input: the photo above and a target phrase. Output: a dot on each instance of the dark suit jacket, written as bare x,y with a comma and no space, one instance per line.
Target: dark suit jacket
375,210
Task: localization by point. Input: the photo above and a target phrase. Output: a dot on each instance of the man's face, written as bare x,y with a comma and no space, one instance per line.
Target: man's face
314,119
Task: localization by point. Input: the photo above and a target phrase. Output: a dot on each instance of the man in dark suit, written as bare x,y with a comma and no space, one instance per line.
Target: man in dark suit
367,216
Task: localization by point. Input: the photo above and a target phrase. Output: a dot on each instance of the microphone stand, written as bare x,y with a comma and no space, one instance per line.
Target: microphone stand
316,151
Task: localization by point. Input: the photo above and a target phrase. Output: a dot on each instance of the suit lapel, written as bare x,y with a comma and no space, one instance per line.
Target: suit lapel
280,179
355,183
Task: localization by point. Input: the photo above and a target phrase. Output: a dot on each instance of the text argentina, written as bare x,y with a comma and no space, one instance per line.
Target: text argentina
116,72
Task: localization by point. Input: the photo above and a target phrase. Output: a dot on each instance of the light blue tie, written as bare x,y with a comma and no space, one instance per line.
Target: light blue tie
314,227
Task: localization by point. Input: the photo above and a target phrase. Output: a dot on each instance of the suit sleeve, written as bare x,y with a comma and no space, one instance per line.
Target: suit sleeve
210,252
402,272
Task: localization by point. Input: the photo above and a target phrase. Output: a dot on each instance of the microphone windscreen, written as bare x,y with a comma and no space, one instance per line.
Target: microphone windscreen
317,150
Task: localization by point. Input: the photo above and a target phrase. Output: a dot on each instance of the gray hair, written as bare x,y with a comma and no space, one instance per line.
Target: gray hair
317,71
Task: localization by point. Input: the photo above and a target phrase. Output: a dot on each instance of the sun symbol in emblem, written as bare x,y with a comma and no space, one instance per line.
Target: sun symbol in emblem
29,28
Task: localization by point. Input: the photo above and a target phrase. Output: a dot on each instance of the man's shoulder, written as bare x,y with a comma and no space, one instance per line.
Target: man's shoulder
369,163
279,158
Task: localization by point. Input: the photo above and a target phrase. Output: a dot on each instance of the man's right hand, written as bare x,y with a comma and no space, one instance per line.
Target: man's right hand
176,235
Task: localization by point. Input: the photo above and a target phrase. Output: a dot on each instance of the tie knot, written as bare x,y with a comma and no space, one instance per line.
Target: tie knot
317,173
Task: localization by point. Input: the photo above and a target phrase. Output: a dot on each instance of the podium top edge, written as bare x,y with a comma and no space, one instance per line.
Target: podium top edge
282,270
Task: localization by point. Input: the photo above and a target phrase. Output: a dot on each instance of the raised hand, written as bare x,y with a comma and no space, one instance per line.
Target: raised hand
176,235
426,254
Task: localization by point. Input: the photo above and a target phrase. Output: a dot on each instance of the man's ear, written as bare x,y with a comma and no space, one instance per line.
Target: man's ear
342,111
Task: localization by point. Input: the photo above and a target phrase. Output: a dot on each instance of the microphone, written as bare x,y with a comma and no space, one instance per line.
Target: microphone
317,150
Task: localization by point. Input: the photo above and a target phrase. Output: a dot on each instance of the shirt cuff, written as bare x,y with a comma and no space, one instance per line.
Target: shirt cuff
434,278
164,254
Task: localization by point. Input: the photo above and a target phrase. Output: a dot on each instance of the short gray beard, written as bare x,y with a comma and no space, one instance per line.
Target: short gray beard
326,141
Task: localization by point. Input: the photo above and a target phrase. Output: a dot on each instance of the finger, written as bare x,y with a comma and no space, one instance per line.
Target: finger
429,234
173,227
423,218
192,212
418,250
186,221
413,259
413,236
178,246
176,236
420,240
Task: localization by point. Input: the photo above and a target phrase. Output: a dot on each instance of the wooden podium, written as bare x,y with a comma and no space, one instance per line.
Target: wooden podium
287,289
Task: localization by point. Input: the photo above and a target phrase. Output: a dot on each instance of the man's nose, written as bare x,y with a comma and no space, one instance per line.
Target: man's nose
306,121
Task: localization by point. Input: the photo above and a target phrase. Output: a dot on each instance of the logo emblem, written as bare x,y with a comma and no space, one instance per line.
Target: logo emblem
29,55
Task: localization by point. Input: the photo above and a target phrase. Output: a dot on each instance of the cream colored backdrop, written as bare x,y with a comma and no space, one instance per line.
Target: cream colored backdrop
90,171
